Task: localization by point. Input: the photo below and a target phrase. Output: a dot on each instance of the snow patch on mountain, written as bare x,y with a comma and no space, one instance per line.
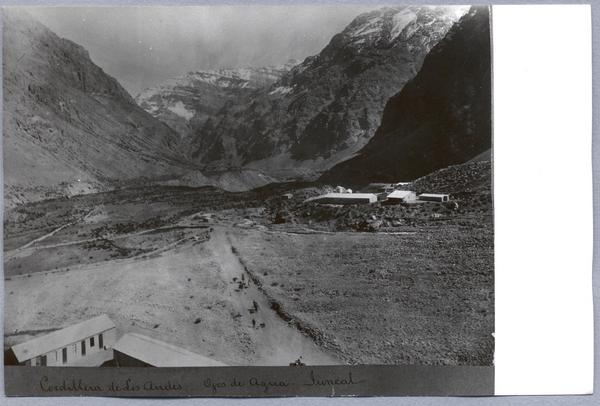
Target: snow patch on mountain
281,90
222,78
179,109
373,25
400,21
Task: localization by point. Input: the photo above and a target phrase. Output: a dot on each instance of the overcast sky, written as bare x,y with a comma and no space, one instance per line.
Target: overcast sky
144,46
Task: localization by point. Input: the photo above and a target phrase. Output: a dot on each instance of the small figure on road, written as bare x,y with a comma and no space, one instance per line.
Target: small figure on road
255,305
253,323
297,363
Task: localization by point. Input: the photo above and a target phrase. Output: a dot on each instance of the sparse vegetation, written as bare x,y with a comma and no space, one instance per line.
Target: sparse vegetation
424,298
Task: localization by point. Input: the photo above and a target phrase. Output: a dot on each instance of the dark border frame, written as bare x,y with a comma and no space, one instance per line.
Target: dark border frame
358,380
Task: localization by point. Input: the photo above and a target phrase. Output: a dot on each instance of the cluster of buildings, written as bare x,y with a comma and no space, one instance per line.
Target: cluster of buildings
95,342
390,192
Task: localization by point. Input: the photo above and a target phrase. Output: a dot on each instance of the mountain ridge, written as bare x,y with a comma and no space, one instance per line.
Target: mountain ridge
440,118
68,126
327,107
188,100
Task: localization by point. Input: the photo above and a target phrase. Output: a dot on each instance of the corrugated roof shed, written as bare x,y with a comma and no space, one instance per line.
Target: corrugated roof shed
160,354
60,338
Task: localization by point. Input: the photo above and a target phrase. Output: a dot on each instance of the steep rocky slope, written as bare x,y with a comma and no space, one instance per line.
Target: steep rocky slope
69,127
442,117
328,107
188,101
468,180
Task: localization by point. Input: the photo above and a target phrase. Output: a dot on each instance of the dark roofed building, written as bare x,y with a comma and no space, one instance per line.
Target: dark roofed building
434,197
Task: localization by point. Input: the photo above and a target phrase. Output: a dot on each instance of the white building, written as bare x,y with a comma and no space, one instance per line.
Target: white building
88,343
403,196
345,198
137,350
434,197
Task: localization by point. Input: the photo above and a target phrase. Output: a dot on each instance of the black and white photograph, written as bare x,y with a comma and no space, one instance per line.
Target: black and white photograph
258,185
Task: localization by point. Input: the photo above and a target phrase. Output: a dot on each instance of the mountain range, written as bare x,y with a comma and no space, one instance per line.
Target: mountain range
399,92
327,107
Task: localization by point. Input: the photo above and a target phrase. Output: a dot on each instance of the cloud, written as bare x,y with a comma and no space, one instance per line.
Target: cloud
144,46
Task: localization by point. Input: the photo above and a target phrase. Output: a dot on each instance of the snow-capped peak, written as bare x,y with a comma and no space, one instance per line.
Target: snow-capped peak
389,23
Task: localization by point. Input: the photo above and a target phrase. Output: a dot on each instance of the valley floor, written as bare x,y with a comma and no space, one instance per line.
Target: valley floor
207,270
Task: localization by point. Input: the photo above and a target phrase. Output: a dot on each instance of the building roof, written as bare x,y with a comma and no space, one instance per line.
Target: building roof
60,338
345,196
433,194
160,354
400,194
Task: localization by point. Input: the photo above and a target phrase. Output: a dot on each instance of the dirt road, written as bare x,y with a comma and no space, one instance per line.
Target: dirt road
277,342
10,254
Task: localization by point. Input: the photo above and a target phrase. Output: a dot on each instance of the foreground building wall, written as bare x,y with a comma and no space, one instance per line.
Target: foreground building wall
88,343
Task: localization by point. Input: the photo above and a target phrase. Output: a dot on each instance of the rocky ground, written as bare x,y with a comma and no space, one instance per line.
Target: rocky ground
420,297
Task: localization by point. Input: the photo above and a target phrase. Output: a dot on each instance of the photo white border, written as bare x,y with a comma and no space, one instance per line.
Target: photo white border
543,199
